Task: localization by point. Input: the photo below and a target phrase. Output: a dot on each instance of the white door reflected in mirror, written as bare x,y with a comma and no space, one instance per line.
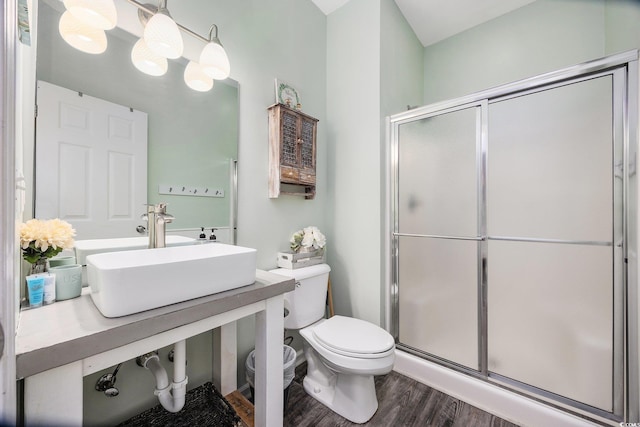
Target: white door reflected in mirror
91,163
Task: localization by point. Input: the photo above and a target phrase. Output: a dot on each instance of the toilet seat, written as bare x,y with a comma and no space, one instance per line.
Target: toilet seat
353,338
346,362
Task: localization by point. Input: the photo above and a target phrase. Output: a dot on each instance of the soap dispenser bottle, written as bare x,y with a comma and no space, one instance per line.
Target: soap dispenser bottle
213,237
202,238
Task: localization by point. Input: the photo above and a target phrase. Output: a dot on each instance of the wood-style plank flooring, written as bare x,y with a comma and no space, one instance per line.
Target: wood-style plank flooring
402,402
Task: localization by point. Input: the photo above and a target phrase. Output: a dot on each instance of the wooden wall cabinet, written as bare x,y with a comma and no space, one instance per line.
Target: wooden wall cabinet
292,152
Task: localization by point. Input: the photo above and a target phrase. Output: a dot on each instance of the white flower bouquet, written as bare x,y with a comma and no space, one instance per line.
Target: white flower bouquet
44,239
308,239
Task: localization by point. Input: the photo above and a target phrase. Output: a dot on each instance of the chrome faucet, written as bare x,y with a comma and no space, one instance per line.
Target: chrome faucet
157,217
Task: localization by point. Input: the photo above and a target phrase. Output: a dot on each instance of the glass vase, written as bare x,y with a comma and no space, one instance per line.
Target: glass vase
40,266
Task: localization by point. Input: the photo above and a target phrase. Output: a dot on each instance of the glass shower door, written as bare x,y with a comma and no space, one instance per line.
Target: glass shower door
437,238
513,252
552,225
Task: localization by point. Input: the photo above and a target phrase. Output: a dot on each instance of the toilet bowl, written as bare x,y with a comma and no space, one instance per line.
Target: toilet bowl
343,354
339,374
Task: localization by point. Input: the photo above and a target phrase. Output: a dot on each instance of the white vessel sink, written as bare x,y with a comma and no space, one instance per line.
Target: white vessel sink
85,248
124,283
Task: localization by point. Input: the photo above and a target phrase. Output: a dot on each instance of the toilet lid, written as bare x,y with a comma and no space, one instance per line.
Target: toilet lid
349,335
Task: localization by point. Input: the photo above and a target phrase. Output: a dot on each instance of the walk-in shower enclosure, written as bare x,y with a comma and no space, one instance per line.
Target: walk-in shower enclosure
513,236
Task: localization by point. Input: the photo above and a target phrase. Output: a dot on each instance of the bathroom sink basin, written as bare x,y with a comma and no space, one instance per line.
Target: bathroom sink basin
85,248
124,283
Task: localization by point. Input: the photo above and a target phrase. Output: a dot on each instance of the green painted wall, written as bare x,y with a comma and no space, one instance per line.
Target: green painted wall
353,113
401,62
374,68
401,85
268,39
543,36
622,31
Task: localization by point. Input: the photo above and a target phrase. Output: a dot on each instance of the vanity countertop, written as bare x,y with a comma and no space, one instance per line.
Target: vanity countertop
71,330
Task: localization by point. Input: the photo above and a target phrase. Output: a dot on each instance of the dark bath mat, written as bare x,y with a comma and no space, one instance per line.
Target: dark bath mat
205,406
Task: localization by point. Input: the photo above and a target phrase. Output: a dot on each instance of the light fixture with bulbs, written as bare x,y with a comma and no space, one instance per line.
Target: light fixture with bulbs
147,61
83,37
84,23
213,57
162,35
95,13
196,78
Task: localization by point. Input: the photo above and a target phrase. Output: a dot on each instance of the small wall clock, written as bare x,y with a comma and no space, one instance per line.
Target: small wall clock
287,95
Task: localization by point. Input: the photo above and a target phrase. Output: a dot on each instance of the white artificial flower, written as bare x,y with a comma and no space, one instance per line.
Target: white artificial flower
319,238
309,237
44,239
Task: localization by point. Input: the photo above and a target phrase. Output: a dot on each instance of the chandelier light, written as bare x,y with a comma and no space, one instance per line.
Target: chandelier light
213,57
84,23
147,61
95,13
82,36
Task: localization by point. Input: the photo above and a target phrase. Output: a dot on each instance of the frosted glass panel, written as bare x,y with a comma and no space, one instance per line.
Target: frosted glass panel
550,316
438,298
551,225
550,162
437,175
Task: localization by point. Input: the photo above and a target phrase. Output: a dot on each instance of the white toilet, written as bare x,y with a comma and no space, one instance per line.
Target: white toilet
343,354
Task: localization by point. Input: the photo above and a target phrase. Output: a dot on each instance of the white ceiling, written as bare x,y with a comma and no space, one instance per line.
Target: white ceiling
328,6
435,20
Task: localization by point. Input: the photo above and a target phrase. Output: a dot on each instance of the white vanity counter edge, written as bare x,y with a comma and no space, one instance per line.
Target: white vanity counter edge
72,330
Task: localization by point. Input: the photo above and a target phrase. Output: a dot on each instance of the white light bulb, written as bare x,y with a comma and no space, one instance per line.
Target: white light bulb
147,61
163,36
214,61
81,36
95,13
196,79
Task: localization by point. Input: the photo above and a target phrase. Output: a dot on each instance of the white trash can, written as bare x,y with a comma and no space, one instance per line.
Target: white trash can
289,372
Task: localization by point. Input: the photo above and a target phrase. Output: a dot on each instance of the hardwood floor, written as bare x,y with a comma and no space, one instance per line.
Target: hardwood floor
402,402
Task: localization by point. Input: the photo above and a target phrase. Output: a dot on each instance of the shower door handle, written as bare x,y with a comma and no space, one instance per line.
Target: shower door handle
1,341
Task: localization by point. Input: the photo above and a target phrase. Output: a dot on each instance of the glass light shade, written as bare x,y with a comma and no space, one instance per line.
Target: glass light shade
214,61
196,78
147,61
95,13
81,36
163,36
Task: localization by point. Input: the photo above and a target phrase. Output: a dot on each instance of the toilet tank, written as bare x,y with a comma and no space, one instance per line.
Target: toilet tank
306,304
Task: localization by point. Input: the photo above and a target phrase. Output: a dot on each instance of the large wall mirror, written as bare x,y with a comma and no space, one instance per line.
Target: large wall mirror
192,136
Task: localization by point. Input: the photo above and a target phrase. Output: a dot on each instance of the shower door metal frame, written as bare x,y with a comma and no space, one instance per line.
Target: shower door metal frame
624,70
480,107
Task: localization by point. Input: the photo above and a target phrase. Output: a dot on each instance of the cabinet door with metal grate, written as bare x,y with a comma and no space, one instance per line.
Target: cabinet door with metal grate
292,152
307,144
289,142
